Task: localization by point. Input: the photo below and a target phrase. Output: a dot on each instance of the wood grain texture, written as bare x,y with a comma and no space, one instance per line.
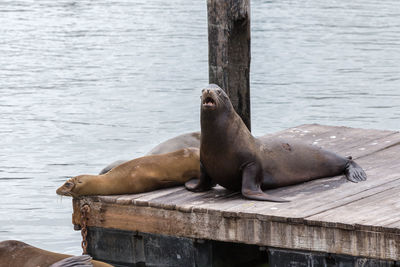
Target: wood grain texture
229,51
329,215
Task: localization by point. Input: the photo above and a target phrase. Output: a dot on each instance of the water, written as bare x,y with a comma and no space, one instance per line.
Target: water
84,83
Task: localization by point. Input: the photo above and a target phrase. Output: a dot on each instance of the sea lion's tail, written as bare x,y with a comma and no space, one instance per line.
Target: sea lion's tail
354,172
74,261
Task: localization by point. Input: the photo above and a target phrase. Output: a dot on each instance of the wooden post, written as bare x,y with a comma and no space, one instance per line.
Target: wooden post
229,51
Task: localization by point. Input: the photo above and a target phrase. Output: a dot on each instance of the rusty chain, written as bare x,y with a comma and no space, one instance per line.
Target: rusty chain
85,209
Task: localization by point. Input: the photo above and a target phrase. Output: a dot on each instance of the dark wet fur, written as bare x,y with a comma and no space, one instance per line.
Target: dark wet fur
354,172
74,261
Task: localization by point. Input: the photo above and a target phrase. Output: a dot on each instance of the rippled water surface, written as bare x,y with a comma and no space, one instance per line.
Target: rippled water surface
84,83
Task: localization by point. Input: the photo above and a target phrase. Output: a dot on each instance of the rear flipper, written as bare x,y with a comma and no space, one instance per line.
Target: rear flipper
354,172
74,261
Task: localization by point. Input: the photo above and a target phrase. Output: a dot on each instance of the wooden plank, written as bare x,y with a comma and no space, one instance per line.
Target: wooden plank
373,210
124,198
171,201
342,140
217,193
143,200
311,133
395,224
229,51
146,200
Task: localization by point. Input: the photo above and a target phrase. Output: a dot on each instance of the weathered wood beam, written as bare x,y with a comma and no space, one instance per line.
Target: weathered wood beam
255,229
229,51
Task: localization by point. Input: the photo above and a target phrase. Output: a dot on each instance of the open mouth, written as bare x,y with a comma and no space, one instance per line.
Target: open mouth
208,102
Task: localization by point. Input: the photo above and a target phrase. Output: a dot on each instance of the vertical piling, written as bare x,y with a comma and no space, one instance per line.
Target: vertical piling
229,51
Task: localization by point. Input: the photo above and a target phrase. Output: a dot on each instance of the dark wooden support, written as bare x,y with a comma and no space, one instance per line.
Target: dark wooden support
131,248
229,51
127,248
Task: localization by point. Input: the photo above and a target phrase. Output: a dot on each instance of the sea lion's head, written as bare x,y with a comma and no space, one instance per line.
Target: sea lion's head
214,100
70,187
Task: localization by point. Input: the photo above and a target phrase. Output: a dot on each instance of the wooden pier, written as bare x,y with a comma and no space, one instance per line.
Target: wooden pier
331,216
329,222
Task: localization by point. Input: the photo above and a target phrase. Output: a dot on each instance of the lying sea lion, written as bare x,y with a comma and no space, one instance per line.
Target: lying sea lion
16,253
177,142
233,158
110,166
139,175
172,144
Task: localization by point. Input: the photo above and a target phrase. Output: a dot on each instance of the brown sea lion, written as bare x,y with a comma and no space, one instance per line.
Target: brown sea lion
233,158
139,175
19,254
172,144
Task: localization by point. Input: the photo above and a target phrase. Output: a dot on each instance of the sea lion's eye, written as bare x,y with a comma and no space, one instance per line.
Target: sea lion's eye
68,184
203,90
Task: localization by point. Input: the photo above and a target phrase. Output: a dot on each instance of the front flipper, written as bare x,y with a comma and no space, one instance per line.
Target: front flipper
251,184
200,185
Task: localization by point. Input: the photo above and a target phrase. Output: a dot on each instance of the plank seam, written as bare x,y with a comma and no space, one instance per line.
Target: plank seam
379,150
354,201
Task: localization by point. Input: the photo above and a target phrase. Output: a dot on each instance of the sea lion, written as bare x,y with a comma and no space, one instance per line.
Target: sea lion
177,142
110,166
233,158
16,253
139,175
172,144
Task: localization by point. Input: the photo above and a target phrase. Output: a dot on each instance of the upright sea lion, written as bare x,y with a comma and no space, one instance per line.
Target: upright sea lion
233,158
172,144
16,253
139,175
